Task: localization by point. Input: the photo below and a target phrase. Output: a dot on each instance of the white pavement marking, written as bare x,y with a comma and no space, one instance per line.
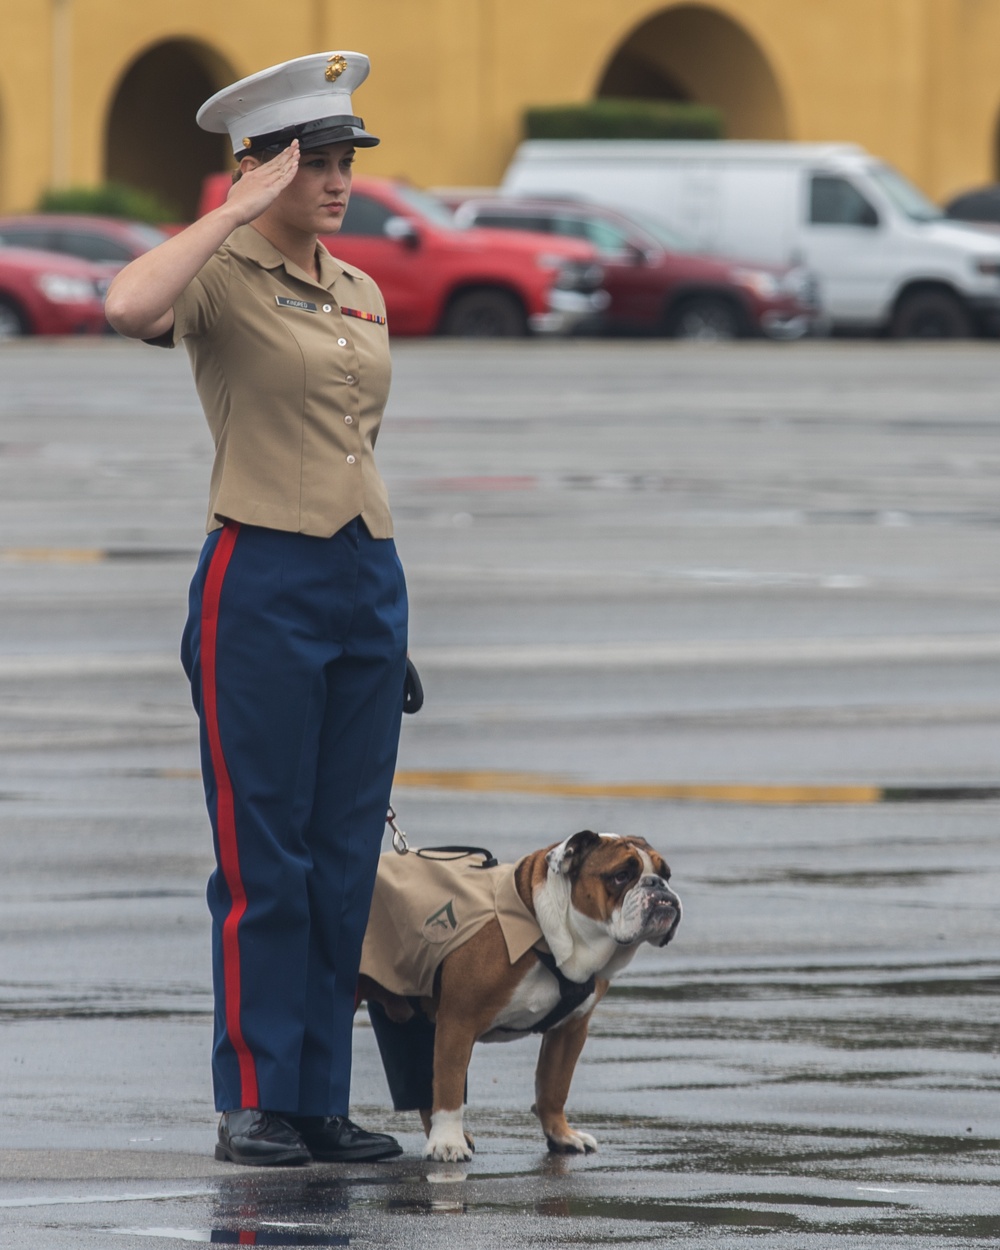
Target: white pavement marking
110,664
622,655
680,654
90,1199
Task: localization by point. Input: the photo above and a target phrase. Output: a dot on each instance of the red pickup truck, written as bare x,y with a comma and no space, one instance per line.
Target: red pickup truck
438,279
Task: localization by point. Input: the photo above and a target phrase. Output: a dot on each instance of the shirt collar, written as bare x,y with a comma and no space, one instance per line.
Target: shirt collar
260,250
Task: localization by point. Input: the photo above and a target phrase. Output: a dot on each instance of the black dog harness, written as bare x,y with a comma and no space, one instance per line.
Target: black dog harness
571,995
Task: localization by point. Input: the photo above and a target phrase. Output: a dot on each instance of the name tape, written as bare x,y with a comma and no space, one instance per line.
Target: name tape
304,305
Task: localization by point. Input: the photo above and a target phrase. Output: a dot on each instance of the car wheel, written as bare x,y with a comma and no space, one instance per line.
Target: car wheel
485,314
706,319
931,315
13,323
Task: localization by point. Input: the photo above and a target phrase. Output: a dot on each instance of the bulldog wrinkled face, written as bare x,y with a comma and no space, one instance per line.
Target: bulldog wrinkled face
621,883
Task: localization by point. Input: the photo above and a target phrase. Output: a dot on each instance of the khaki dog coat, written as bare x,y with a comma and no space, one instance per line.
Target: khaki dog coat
426,906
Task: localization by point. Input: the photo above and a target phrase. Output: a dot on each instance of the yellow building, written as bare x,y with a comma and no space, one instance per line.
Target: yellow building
93,90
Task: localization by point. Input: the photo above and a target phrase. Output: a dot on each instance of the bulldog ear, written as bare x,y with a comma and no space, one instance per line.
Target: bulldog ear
567,856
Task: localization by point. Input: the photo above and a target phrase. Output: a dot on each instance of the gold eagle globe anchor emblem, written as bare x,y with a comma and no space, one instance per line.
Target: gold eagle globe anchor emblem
335,66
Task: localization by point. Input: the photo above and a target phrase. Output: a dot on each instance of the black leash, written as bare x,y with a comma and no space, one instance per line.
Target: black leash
446,854
443,853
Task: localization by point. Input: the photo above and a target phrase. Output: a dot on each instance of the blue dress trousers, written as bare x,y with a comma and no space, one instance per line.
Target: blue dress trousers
295,647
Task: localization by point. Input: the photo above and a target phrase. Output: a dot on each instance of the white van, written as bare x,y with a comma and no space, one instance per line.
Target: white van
885,257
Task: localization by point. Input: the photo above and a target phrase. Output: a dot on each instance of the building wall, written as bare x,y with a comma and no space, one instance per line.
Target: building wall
916,81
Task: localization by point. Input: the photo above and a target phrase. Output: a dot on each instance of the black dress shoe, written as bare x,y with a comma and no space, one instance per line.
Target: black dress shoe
259,1139
335,1139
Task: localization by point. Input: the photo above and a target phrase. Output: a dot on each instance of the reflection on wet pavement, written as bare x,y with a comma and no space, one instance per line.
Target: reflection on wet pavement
241,1236
809,1183
814,1102
822,1102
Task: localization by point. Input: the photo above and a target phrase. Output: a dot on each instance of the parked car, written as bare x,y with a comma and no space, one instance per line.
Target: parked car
109,241
439,279
44,293
886,258
656,281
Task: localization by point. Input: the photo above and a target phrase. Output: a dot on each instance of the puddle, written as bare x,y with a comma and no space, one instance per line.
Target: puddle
979,979
854,880
22,1001
714,1185
264,1209
659,1212
875,1032
824,1153
426,1206
237,1236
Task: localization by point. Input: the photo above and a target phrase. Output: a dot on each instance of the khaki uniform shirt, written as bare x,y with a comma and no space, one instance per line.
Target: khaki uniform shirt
293,385
424,908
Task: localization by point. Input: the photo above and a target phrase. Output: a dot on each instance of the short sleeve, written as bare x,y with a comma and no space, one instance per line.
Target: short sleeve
200,305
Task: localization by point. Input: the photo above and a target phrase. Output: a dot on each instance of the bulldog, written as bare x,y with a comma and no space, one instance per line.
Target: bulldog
458,952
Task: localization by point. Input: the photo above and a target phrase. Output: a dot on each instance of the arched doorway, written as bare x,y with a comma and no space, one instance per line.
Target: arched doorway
152,140
696,53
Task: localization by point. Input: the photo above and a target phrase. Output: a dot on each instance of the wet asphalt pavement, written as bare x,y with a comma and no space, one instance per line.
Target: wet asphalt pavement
768,574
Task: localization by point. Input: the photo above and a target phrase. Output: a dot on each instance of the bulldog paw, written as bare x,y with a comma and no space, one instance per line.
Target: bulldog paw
447,1142
448,1152
572,1142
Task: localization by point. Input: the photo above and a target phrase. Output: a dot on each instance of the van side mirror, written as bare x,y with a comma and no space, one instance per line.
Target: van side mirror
402,230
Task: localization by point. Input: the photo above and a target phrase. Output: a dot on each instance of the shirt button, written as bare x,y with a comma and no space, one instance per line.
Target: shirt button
341,342
348,420
351,379
350,459
328,308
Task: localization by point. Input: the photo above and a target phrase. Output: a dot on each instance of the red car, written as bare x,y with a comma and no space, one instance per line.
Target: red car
656,282
439,279
42,293
109,241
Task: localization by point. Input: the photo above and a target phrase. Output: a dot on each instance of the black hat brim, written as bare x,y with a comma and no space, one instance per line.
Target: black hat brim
316,134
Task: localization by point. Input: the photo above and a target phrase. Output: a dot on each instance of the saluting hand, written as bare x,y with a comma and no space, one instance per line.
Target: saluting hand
259,187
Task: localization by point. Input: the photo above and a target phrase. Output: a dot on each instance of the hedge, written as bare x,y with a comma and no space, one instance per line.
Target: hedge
112,199
624,119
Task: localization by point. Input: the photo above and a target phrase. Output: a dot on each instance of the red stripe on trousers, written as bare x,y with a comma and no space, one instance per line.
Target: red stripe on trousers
225,817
